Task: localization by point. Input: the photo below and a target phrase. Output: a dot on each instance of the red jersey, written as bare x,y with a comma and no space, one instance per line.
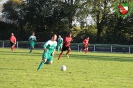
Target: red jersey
67,41
13,39
86,42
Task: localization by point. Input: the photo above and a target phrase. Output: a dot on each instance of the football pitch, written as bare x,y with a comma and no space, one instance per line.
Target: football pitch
18,69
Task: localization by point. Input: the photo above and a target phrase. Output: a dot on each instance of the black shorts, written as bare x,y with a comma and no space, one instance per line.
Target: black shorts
11,43
64,48
84,47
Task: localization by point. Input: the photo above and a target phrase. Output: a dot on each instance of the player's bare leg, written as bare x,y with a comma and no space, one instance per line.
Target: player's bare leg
81,50
50,62
12,48
68,51
60,55
86,50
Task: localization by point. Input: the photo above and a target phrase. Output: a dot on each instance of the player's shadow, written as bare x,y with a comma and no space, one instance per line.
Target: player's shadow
105,58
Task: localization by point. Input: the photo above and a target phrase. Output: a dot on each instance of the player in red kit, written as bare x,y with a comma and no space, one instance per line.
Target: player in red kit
85,45
12,41
66,45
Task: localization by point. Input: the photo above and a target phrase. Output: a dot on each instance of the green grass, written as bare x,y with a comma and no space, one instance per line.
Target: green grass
94,70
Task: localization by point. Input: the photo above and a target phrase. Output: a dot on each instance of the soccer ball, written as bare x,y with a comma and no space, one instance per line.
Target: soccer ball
63,68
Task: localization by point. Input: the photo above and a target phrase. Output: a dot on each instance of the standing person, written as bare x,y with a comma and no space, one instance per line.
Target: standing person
85,45
32,40
66,45
49,49
59,43
12,41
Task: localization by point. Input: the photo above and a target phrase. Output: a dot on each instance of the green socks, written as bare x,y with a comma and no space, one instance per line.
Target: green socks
40,66
30,50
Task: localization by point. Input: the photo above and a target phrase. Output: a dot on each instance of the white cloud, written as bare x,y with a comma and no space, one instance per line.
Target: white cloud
3,1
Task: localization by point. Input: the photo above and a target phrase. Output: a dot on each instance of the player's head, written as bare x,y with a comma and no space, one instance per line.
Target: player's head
12,34
87,38
70,34
54,37
33,33
59,36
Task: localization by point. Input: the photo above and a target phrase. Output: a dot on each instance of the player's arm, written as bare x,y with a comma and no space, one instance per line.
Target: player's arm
45,46
54,49
61,40
71,40
46,49
15,40
35,38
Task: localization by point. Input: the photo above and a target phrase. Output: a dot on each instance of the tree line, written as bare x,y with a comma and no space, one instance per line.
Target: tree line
46,17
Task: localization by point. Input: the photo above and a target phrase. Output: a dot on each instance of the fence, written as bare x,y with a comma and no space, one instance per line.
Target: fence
76,46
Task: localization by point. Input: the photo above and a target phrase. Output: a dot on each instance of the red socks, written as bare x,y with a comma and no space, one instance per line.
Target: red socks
68,52
86,51
12,48
60,55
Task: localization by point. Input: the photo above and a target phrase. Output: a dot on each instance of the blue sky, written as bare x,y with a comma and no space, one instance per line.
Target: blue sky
3,1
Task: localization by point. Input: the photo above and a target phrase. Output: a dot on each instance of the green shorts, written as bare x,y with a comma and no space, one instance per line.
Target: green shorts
59,45
32,44
48,57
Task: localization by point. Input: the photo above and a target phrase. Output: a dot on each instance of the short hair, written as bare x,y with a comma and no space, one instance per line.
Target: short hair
69,33
12,33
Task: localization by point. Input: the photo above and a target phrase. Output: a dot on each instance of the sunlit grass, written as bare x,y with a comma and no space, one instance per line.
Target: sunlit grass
92,70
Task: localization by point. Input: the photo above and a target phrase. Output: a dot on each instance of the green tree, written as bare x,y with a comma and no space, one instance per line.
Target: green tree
99,11
44,17
54,16
13,12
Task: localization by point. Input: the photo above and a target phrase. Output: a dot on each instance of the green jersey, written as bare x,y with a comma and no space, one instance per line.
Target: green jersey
32,38
50,46
60,41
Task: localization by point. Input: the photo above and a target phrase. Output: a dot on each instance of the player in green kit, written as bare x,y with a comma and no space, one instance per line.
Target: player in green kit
49,49
32,40
60,43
